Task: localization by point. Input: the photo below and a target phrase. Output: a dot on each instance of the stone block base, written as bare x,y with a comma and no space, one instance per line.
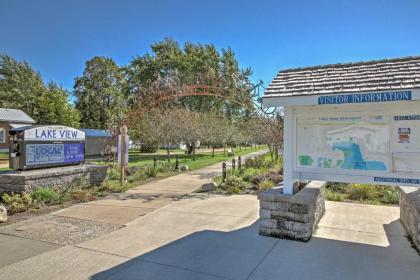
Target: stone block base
410,213
292,216
61,177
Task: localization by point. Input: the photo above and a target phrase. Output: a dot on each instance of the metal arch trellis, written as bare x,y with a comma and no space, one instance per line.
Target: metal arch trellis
171,88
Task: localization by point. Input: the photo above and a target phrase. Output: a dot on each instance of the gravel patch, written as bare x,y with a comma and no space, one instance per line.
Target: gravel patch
59,230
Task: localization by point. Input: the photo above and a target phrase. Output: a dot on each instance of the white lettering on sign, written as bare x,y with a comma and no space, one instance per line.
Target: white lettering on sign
54,133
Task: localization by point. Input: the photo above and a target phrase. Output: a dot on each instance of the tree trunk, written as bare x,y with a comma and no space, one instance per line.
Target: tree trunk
212,153
190,148
168,155
194,152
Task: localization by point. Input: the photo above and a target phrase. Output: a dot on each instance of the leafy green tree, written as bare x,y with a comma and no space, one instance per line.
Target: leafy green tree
191,64
20,85
22,88
55,108
98,94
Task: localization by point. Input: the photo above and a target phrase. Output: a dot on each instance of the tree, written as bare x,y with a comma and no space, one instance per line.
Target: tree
98,94
54,107
191,64
23,88
20,86
269,130
215,130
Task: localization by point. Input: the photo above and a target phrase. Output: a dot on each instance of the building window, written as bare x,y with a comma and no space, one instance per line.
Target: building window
2,135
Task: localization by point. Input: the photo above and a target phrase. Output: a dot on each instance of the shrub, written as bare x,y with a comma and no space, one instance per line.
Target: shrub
362,192
148,148
342,188
112,186
164,167
274,176
17,202
250,173
234,172
256,162
233,184
150,171
45,196
81,196
333,196
218,180
114,173
265,184
388,195
138,176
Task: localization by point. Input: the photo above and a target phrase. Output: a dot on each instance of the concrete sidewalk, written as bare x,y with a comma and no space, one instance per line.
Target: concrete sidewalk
215,237
163,231
85,221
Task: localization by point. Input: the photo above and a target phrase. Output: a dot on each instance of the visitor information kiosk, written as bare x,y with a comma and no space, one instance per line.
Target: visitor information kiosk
46,146
356,123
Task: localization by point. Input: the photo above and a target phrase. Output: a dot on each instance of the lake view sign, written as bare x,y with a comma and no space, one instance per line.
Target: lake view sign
48,133
46,146
365,97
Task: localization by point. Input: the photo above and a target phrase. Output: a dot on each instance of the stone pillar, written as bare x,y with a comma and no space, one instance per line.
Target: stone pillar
292,216
410,213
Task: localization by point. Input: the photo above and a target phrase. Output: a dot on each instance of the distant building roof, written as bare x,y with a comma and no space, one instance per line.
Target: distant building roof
376,75
96,132
14,115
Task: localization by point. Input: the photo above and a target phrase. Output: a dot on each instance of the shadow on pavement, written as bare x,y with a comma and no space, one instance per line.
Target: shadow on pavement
243,254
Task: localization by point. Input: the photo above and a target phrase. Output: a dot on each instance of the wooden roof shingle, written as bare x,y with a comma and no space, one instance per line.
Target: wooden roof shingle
377,75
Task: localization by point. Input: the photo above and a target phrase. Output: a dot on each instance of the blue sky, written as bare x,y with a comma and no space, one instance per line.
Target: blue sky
57,37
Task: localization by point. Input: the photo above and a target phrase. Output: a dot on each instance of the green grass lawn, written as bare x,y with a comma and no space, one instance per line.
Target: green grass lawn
203,159
158,152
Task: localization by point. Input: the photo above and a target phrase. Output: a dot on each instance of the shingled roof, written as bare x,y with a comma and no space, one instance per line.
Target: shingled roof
14,115
376,75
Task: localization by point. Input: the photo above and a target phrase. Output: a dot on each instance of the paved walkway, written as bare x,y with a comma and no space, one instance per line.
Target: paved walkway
162,231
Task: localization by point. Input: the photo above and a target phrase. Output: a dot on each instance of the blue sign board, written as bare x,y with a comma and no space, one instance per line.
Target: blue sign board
396,180
407,118
365,97
68,153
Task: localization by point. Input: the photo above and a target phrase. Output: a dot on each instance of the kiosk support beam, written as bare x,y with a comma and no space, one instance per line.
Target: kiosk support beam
289,151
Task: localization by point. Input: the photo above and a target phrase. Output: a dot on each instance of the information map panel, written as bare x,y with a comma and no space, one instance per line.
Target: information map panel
67,153
352,143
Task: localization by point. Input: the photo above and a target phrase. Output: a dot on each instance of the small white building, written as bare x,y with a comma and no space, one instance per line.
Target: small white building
10,119
354,122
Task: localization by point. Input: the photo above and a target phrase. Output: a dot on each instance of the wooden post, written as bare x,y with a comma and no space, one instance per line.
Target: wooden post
233,163
224,171
123,152
239,162
176,162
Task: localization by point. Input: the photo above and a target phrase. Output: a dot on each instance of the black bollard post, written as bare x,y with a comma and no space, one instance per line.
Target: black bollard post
224,171
177,163
233,163
154,162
